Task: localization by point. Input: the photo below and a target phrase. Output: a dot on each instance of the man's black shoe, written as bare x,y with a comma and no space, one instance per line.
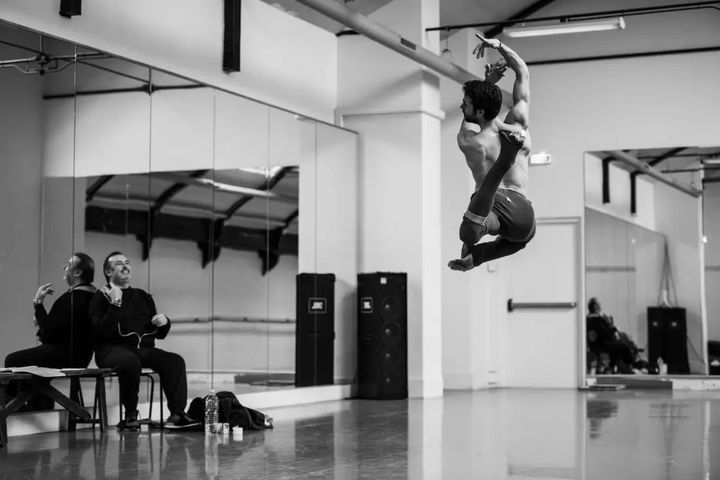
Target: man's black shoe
181,421
130,423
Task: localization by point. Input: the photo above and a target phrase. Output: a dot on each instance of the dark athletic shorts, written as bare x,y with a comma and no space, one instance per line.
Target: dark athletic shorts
516,215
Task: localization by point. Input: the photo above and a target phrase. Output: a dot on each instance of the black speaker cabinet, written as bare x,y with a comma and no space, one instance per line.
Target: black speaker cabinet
315,329
382,335
667,338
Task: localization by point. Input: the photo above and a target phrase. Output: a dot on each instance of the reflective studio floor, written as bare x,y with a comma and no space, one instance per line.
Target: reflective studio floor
497,434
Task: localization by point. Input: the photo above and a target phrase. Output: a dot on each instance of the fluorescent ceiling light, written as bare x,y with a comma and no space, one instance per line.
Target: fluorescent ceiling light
711,161
617,23
265,172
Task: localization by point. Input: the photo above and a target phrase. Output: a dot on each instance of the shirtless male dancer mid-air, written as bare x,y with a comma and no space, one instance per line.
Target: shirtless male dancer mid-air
498,159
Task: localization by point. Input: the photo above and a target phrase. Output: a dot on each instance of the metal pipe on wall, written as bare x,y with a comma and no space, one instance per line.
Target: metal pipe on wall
650,171
390,39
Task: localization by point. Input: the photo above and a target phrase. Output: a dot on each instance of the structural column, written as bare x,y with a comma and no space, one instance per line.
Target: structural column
394,104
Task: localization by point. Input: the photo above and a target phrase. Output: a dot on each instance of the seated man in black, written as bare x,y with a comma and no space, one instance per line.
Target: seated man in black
605,340
126,324
65,333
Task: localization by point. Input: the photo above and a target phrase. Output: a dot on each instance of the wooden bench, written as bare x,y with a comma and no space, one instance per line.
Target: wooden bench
30,385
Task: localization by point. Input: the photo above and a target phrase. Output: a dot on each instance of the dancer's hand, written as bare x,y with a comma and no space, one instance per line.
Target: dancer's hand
479,51
495,71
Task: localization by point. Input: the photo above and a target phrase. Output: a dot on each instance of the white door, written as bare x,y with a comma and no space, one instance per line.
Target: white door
542,342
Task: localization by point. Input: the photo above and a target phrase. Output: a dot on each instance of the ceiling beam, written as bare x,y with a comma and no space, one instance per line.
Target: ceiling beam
97,185
224,187
683,155
628,159
390,39
170,192
665,156
267,186
683,51
633,192
184,209
176,227
606,179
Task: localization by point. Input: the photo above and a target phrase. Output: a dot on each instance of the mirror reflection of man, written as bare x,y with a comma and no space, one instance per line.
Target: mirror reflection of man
65,332
126,325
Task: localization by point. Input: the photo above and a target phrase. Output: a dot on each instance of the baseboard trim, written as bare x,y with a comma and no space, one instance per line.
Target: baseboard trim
425,388
296,396
466,381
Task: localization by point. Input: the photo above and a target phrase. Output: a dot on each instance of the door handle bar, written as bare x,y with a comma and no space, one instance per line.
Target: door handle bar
532,305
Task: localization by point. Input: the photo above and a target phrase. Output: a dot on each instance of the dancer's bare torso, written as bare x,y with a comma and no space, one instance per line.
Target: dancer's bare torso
482,148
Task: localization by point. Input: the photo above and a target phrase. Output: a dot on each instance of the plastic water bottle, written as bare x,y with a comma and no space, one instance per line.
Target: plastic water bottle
212,463
211,413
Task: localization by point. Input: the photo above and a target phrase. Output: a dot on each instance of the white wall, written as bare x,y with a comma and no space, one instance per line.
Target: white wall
619,180
679,216
169,131
328,230
394,105
284,61
21,124
711,222
595,110
473,336
623,267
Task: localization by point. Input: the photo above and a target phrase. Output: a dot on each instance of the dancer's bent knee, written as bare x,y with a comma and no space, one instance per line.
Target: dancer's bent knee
471,232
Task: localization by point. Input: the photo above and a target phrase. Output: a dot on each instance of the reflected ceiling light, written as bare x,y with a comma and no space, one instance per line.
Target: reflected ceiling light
617,23
226,187
711,161
265,172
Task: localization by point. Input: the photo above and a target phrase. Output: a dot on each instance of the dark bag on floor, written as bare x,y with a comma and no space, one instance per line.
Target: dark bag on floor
231,411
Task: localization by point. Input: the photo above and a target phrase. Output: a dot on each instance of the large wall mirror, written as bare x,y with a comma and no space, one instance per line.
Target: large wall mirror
649,261
218,201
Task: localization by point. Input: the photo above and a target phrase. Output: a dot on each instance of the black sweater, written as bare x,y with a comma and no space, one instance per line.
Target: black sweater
128,324
68,324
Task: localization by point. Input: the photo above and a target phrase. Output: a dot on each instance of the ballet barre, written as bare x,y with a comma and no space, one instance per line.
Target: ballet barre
235,320
533,305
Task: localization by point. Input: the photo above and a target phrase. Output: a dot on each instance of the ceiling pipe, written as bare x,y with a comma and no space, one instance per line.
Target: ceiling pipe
363,25
649,170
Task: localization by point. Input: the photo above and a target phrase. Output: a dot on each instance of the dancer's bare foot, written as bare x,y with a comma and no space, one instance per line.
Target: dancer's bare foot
462,264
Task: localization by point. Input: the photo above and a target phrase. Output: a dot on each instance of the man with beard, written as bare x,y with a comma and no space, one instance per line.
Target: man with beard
497,153
126,325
